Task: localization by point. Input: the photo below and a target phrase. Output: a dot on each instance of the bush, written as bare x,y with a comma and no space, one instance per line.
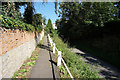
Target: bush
10,23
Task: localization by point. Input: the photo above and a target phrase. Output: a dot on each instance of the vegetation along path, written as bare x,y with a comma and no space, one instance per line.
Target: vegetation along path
105,70
43,67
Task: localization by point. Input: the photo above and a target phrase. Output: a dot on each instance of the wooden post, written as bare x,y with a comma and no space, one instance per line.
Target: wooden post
54,48
59,59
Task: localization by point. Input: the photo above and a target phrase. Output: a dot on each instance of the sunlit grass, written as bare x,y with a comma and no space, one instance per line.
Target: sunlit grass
78,68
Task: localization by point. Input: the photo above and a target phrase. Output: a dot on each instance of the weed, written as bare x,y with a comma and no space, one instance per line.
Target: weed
77,68
24,70
15,74
63,70
31,63
23,65
23,73
27,70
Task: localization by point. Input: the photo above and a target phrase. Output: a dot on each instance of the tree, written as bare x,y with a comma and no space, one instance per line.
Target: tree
117,4
102,13
49,25
84,19
29,11
37,22
44,20
57,22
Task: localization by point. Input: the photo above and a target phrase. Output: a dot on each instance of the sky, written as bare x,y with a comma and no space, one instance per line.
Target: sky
46,9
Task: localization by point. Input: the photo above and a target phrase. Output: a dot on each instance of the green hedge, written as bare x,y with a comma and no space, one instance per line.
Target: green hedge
10,23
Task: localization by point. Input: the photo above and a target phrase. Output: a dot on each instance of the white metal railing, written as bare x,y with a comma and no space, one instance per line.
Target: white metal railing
59,56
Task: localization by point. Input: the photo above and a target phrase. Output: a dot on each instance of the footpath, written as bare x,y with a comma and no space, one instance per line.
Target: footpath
44,68
105,70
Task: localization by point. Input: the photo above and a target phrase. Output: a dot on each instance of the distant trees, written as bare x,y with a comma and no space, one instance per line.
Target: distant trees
49,27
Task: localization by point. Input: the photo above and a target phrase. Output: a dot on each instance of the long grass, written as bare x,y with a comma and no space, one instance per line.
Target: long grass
78,68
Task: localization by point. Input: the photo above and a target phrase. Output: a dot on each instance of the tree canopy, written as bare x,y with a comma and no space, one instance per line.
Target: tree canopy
37,22
84,19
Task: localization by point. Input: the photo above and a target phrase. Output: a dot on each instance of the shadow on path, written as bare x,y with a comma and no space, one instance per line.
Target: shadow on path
106,70
90,59
51,60
43,67
44,47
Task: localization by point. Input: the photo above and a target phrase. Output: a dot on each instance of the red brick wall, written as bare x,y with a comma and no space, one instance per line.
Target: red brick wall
10,39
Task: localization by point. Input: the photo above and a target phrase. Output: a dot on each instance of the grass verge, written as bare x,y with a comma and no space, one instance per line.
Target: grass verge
78,68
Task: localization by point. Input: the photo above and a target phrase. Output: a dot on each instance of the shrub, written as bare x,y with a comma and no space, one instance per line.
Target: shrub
10,23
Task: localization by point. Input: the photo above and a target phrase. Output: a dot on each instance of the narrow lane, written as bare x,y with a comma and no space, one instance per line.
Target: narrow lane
42,68
105,70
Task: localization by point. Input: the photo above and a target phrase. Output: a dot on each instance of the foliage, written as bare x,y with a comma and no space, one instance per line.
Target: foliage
78,68
63,71
35,57
31,63
15,74
44,21
84,20
37,22
118,6
58,23
26,67
15,14
29,11
24,70
93,27
49,26
10,23
46,30
8,9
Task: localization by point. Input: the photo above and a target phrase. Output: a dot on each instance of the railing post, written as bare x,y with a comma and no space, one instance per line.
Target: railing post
54,48
59,59
51,42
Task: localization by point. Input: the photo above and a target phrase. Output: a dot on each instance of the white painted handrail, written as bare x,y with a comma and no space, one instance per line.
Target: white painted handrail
59,57
56,49
67,69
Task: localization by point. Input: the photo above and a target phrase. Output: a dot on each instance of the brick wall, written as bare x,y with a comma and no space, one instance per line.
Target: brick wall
10,39
15,47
